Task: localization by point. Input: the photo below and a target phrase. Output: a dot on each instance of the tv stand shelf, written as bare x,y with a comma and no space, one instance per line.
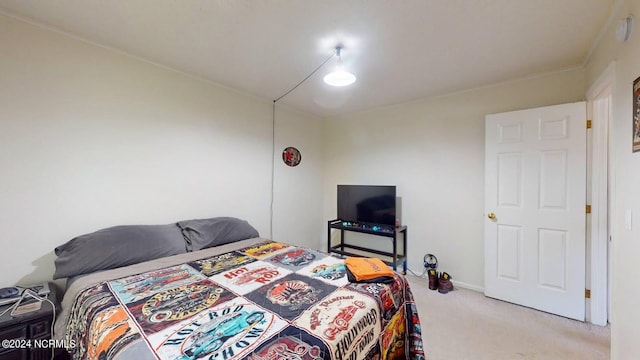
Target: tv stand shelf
392,259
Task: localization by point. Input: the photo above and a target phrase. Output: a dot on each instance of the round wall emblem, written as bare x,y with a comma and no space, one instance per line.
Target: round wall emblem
291,156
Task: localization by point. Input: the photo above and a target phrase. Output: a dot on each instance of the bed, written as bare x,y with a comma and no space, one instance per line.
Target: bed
246,299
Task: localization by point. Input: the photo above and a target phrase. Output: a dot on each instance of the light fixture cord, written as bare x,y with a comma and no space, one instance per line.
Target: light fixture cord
273,135
273,164
305,79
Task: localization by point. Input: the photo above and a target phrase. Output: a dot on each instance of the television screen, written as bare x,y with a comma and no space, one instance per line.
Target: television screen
374,204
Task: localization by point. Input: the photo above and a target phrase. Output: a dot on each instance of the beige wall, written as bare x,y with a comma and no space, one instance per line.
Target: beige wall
433,150
91,138
625,195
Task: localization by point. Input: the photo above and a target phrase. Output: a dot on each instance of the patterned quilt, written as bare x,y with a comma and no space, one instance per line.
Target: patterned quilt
268,301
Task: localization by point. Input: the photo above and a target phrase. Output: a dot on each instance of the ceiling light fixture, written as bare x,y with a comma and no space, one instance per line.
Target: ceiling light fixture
339,77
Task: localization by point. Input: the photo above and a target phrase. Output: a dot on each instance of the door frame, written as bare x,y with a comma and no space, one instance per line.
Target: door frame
601,174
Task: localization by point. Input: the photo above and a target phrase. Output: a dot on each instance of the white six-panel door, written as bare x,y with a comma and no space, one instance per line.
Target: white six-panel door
535,183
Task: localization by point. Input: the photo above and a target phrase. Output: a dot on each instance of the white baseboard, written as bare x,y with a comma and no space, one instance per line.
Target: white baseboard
464,285
456,283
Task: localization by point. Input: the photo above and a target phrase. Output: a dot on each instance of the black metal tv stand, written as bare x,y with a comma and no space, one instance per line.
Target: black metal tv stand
372,229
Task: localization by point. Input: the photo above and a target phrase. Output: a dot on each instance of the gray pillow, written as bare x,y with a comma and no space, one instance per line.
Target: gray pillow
205,233
117,246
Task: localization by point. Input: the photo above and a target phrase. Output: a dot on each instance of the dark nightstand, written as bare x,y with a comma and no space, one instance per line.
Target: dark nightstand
35,325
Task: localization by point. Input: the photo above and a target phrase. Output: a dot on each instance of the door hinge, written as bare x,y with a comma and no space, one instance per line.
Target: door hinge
587,293
588,209
588,124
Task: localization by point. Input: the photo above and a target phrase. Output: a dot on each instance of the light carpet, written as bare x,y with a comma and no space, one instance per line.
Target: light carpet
464,324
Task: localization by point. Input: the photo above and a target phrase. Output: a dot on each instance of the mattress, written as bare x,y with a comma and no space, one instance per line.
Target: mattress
252,299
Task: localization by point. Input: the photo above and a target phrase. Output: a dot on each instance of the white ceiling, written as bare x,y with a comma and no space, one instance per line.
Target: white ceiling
400,50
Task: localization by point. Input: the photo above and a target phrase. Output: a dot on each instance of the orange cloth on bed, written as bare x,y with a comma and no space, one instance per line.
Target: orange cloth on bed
367,268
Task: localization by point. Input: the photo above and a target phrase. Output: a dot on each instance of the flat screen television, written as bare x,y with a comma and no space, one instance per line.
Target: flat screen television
371,204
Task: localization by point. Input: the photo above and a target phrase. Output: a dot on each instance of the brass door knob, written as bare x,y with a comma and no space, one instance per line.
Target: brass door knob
491,216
